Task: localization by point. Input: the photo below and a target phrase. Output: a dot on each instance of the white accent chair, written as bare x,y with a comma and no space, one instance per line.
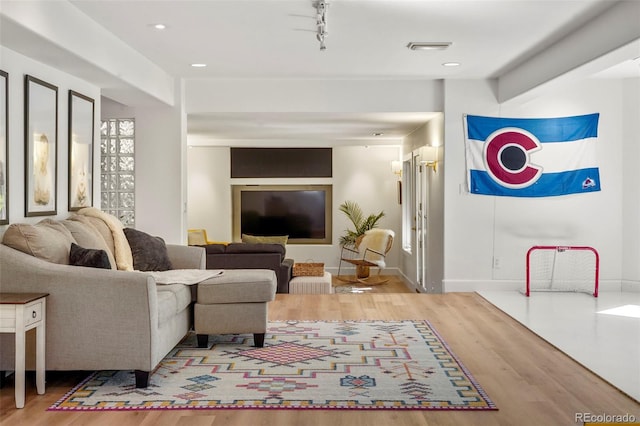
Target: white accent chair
370,250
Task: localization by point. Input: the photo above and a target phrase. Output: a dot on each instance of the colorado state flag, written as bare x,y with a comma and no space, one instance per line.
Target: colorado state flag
531,157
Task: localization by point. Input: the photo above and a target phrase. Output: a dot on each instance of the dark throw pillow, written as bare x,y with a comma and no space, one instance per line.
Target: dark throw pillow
149,252
93,258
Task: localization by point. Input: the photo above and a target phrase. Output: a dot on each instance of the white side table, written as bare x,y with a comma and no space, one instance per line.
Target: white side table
19,313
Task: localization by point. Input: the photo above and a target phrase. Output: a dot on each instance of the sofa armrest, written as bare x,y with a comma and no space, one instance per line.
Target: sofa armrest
94,316
284,275
186,257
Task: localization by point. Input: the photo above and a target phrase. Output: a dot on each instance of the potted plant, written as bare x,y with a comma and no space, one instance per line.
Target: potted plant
361,224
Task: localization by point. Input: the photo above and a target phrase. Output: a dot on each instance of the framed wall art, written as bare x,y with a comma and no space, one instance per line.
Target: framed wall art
4,148
41,147
81,122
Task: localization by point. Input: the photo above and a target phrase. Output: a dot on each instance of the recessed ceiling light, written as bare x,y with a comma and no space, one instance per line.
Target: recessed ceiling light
159,26
451,64
198,65
428,45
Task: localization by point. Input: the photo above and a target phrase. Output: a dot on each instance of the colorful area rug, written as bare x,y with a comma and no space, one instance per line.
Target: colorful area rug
400,365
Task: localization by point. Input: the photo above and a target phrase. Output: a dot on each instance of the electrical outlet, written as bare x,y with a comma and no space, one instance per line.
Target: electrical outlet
496,263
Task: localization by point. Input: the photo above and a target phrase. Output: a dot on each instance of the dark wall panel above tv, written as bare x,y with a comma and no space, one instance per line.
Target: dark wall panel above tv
281,162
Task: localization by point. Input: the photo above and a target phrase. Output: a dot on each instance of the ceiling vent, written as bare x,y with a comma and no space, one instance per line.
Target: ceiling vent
418,45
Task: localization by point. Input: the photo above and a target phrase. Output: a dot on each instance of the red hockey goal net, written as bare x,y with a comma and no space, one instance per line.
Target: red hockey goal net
563,269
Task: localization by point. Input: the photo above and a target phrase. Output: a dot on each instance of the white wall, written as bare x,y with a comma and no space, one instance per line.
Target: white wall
209,191
272,95
481,228
18,66
161,178
364,175
630,177
360,174
160,166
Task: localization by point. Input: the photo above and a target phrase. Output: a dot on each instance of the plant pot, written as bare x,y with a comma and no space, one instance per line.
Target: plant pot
362,271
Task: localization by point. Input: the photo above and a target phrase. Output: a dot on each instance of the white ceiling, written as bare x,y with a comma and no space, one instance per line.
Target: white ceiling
367,38
270,39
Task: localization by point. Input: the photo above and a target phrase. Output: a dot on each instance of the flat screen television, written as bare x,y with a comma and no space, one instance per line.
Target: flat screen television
303,212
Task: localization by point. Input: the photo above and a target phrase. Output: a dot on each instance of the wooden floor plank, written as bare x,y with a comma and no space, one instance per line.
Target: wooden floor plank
531,382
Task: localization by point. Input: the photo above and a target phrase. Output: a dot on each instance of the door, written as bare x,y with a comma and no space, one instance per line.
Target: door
421,224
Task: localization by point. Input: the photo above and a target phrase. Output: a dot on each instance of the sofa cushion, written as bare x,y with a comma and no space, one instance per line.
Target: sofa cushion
149,252
101,227
87,236
215,248
48,240
238,286
255,248
80,256
258,239
172,299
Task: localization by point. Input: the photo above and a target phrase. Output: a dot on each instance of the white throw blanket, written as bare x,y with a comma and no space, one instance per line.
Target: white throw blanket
123,256
377,240
185,276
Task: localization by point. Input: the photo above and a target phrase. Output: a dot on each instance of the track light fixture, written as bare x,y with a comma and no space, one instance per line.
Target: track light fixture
321,21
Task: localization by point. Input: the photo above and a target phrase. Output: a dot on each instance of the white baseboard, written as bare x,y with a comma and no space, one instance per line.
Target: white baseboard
469,286
450,286
631,286
411,285
352,270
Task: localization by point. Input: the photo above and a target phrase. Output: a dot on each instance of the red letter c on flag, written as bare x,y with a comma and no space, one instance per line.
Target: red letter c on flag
507,157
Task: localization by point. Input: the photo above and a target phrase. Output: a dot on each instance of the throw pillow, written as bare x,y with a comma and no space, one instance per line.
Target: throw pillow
87,236
258,239
47,240
113,233
149,252
101,227
93,258
196,237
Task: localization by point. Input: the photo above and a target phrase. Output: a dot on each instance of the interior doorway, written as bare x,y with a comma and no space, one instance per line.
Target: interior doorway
421,209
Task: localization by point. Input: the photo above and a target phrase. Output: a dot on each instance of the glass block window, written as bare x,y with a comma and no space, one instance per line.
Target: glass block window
117,168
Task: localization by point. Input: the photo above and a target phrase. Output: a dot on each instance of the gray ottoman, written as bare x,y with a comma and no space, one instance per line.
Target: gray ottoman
234,303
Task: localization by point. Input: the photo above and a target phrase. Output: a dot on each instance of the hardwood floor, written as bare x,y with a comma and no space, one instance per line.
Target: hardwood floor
531,382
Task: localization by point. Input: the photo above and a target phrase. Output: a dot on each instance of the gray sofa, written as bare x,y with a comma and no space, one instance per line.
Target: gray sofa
100,319
252,256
